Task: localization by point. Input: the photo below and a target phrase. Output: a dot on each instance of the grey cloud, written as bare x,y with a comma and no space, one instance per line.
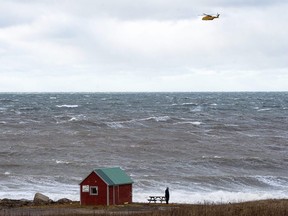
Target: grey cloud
141,38
24,11
158,9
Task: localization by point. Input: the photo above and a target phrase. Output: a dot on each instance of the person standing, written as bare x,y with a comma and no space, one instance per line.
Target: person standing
167,195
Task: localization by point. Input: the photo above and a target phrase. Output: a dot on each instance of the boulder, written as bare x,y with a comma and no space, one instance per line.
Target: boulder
64,201
41,199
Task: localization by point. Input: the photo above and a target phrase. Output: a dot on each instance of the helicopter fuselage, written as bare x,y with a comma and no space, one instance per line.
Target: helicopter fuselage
210,17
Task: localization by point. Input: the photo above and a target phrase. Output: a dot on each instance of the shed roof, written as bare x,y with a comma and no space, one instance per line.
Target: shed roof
114,176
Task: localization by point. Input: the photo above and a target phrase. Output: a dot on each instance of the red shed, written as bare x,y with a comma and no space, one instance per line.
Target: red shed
106,186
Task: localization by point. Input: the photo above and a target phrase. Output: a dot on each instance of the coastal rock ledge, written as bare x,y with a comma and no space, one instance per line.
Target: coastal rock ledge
10,203
39,200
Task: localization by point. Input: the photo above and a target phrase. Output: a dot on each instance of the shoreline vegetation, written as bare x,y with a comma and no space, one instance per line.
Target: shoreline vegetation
65,207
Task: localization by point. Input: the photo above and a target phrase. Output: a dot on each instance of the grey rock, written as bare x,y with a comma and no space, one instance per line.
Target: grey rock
64,200
41,199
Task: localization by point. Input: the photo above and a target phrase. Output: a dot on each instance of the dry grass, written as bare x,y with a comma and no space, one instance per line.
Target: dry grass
257,208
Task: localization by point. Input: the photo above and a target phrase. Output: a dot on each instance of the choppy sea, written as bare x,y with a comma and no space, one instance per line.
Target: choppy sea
206,147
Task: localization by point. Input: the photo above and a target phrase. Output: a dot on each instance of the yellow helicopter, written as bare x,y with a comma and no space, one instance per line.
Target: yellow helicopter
210,17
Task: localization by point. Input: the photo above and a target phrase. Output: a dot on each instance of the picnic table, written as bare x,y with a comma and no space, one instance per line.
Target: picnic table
156,199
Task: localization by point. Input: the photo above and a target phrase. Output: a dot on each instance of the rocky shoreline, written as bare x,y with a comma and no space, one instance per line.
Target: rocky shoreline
39,200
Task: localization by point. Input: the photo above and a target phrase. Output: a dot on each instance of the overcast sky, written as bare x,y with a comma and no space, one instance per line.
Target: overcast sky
143,45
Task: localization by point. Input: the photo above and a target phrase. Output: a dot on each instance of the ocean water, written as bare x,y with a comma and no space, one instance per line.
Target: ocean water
206,147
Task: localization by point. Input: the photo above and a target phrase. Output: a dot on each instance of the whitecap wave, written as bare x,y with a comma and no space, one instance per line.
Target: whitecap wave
264,109
115,125
157,118
272,181
73,119
67,106
188,104
196,123
61,162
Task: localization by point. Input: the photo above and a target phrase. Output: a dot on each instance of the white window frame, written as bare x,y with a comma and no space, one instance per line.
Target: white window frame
91,190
